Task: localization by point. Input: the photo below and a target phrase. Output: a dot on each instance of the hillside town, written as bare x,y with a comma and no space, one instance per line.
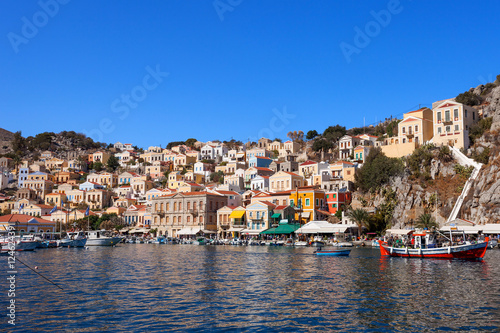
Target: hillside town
228,190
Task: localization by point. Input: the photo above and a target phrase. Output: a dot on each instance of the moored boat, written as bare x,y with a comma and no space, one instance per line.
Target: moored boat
318,242
335,252
492,243
73,239
98,238
425,246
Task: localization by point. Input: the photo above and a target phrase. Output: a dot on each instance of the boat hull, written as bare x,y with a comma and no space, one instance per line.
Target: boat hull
20,246
473,251
103,241
73,242
335,253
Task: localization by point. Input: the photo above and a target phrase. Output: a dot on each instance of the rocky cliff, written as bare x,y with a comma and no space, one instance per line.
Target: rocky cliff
438,193
483,202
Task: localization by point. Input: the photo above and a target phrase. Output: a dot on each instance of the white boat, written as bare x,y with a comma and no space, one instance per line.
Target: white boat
492,243
74,239
18,245
98,238
300,243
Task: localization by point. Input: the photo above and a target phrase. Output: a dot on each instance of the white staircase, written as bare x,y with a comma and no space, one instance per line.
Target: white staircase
464,161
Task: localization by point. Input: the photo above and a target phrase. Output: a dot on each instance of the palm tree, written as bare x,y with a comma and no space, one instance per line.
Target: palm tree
17,161
360,216
426,221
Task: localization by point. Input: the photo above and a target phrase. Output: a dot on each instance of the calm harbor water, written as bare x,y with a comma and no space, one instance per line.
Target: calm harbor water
150,287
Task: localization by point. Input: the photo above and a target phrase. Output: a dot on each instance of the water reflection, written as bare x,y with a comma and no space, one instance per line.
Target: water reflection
146,287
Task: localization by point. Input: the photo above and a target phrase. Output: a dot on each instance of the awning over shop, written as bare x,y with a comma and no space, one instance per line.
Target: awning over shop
276,215
286,228
463,228
126,229
399,231
305,215
323,227
138,231
234,229
269,231
237,214
491,228
250,232
189,231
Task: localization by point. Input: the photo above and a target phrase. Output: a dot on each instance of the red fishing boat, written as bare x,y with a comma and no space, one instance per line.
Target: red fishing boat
426,246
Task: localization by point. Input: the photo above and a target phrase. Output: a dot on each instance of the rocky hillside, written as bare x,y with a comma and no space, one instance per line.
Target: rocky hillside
436,184
66,144
5,139
483,202
435,191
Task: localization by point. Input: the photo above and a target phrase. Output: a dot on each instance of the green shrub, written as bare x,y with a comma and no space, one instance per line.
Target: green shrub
482,157
477,130
468,98
377,170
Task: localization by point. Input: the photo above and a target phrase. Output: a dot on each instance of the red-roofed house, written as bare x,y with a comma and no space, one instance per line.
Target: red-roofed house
26,223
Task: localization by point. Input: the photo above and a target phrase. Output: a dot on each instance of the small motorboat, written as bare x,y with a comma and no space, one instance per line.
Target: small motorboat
318,242
334,252
300,243
73,239
492,243
98,238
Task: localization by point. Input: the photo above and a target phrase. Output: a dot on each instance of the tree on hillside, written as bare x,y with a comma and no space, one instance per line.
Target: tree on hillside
360,217
377,170
174,143
334,133
190,142
311,134
97,166
322,144
18,143
112,163
296,135
17,161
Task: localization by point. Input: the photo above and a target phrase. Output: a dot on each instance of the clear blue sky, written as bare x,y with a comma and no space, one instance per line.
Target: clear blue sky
229,67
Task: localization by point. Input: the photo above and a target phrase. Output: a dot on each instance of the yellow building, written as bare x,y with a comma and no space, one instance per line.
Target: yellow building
452,123
309,202
100,156
284,181
416,128
55,199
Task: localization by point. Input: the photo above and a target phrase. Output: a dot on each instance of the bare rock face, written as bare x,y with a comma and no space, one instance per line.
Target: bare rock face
478,90
484,205
494,108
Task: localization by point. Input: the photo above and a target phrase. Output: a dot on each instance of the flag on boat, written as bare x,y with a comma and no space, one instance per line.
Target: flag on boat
87,211
53,209
21,207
